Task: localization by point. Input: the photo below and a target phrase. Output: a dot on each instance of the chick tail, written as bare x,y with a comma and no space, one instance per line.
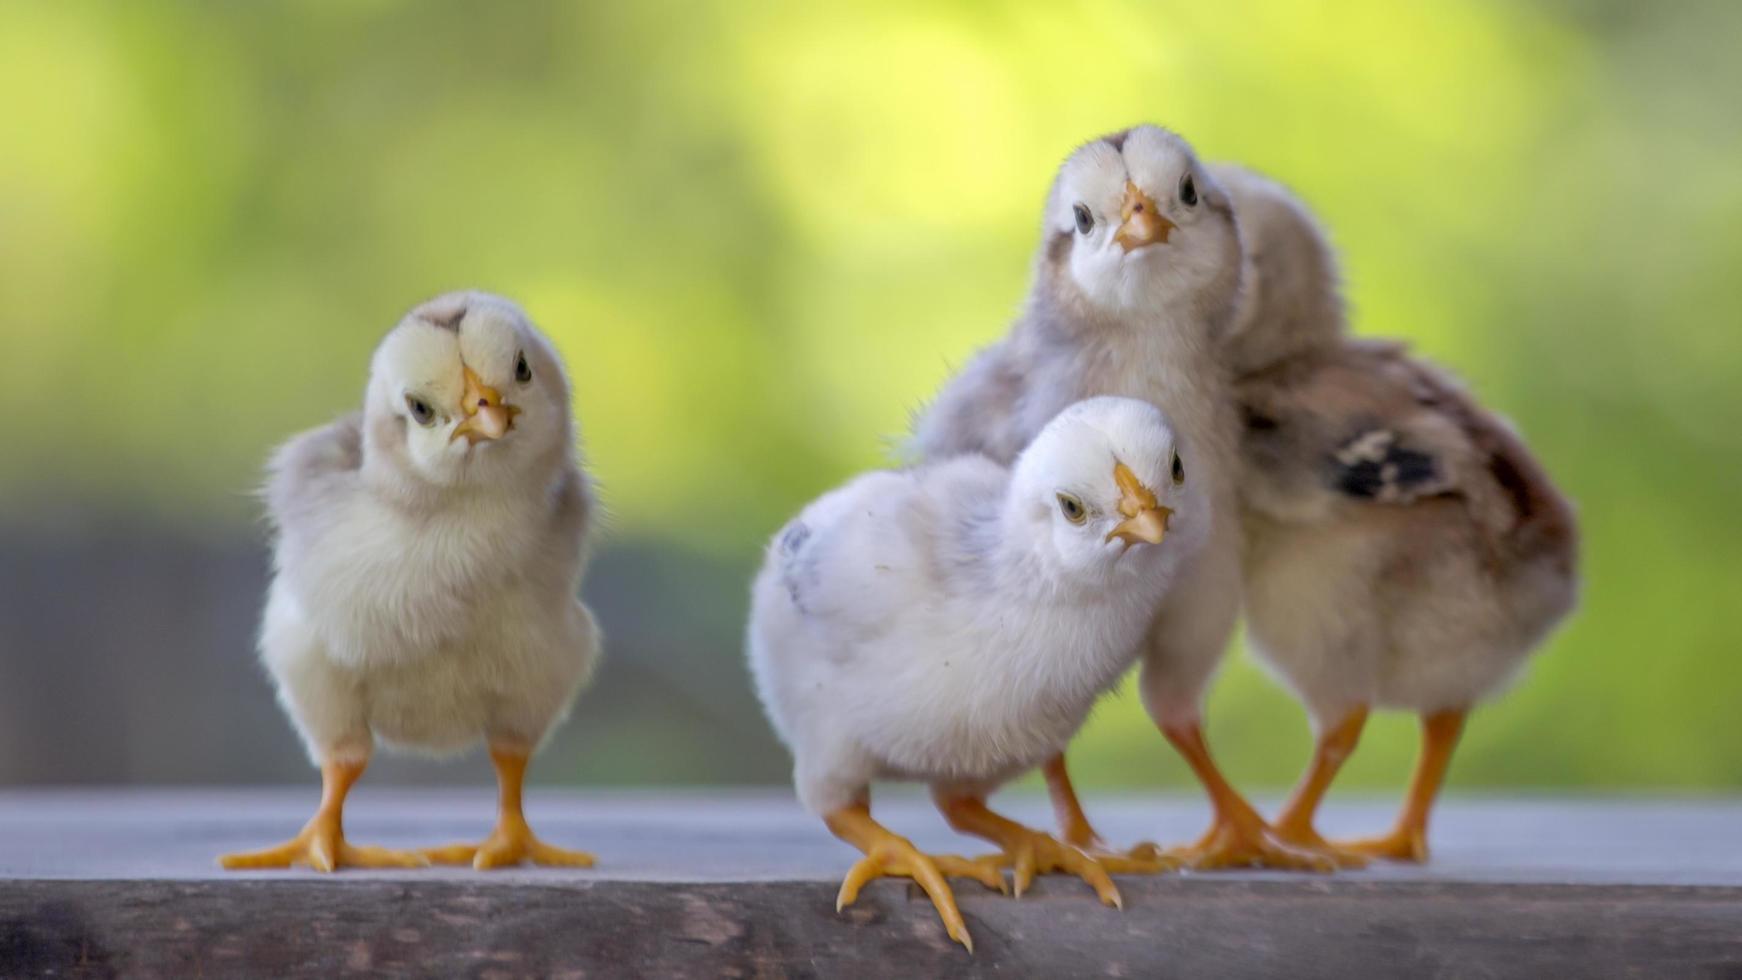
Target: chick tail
1541,550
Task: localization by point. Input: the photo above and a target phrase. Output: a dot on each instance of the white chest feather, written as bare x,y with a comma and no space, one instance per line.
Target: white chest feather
382,585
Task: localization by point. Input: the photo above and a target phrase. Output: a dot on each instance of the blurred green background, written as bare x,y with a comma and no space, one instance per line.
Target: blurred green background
762,234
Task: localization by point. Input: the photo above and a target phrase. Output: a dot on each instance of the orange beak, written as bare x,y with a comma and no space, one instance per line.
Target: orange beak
1143,223
1145,518
486,416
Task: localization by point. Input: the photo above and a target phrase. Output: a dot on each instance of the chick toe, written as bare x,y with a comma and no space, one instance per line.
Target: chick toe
1403,844
1230,845
1029,852
321,846
512,843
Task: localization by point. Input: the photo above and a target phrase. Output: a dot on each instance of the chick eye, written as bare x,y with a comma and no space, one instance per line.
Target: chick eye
1179,471
1085,220
522,370
1072,508
420,410
1188,191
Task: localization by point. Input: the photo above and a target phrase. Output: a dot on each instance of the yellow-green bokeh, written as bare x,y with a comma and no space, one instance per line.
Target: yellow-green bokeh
762,234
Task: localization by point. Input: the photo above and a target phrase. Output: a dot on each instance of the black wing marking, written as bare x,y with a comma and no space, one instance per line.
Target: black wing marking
1374,465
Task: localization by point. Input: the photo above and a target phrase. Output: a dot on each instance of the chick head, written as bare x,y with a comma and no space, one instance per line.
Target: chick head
1103,478
465,390
1291,295
1138,222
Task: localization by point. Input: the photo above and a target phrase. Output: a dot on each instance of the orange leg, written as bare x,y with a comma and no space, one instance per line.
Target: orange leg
890,855
321,844
1238,837
1029,852
1073,823
1295,825
513,840
1408,840
1075,829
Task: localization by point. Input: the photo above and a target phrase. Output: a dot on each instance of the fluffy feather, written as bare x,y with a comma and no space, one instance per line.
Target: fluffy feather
949,624
1405,549
1291,298
425,590
1146,325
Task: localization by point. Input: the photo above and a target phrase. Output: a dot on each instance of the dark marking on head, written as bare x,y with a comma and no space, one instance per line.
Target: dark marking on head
446,312
1117,140
451,322
1058,247
1216,201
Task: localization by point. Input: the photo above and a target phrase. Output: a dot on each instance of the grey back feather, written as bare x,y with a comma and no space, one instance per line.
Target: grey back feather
305,472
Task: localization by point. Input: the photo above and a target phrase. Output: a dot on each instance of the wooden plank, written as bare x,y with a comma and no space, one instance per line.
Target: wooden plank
121,883
1170,927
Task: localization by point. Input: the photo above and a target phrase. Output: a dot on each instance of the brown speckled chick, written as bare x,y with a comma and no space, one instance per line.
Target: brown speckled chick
1404,549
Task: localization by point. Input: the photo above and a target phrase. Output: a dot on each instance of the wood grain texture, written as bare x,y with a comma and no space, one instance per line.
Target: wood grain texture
1171,927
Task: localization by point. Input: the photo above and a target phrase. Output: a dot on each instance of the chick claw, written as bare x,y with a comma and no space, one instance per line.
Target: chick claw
510,844
1035,853
322,846
895,857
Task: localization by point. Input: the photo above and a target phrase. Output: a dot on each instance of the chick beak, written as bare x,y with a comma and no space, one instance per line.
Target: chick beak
1145,518
1143,222
487,418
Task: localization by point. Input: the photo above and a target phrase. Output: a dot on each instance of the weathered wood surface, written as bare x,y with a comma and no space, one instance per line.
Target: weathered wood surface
122,884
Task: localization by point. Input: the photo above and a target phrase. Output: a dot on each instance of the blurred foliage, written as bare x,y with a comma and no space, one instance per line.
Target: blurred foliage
762,233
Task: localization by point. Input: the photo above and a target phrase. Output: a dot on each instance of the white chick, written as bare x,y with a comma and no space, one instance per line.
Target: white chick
954,624
429,551
1404,548
1135,280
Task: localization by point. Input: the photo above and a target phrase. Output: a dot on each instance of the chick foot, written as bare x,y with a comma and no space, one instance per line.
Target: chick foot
1145,858
1035,853
888,855
1402,844
512,842
1029,852
1231,844
1239,837
321,844
1294,826
1408,839
1307,839
1075,830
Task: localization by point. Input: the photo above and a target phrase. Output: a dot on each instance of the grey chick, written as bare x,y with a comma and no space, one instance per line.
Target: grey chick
428,557
1404,549
1134,283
